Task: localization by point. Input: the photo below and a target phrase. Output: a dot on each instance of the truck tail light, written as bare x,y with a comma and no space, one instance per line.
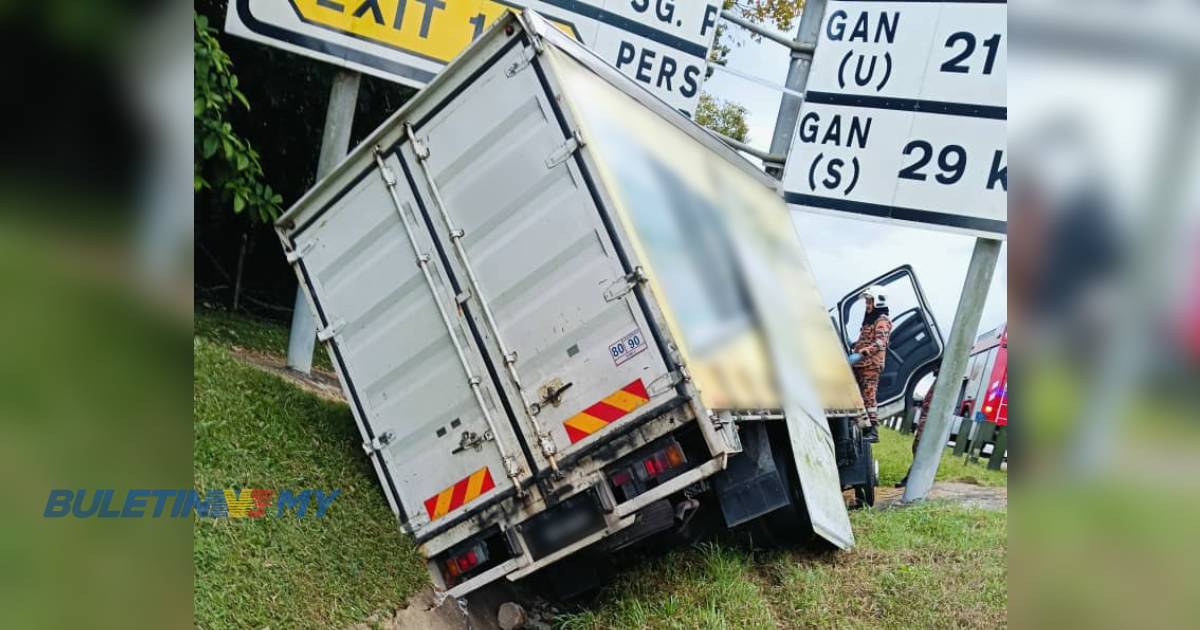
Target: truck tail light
631,479
621,478
461,563
675,456
661,461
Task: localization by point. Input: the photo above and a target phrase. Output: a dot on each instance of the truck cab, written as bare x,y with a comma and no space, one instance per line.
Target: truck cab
916,344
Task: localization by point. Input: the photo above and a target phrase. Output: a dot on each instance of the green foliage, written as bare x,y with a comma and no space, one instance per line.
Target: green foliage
930,565
780,14
894,452
223,160
727,117
706,587
724,117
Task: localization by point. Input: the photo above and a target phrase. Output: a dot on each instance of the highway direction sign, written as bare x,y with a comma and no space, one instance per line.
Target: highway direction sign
905,116
663,44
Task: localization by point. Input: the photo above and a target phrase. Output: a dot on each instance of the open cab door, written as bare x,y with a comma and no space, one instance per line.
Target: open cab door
916,345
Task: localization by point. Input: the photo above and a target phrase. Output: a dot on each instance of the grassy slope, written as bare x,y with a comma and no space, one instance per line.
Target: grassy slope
933,565
894,452
252,333
254,430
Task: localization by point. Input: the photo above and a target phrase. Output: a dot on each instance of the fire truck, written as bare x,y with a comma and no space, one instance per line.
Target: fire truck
983,401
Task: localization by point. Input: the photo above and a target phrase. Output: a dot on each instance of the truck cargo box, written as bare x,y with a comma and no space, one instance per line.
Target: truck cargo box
537,272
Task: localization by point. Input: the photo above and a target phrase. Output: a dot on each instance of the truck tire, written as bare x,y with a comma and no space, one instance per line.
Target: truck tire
865,493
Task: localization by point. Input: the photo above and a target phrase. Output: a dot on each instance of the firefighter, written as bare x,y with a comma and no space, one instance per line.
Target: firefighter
870,351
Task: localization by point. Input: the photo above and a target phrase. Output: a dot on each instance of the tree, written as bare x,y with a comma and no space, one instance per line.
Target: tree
224,161
287,95
727,117
781,14
724,117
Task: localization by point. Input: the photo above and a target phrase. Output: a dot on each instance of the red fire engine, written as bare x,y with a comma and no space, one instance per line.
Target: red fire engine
987,377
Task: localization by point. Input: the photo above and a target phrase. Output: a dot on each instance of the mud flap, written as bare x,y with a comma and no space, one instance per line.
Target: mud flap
750,485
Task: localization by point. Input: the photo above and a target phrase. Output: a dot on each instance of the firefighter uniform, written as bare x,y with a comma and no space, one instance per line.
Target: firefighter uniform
872,345
924,415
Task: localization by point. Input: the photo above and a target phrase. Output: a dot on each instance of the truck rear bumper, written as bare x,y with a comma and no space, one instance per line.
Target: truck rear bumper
623,515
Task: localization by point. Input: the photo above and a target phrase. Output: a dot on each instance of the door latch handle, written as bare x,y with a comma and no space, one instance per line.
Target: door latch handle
550,396
472,440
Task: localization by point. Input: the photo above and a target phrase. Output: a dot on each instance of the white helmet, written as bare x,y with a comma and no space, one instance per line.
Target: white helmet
878,293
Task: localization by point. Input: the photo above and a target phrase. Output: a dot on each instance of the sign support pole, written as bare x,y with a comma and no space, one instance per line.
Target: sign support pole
954,367
335,144
797,77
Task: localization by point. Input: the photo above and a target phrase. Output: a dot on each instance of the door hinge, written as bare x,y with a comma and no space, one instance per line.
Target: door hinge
664,383
564,151
726,425
621,287
295,255
528,54
327,333
378,443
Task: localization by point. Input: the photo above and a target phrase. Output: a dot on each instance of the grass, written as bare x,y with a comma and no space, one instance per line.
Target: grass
932,565
252,333
254,430
894,452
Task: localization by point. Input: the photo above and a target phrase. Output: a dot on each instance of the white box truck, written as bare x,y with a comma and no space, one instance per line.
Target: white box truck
567,318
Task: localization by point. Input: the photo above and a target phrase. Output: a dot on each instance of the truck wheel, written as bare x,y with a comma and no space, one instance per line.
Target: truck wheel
865,493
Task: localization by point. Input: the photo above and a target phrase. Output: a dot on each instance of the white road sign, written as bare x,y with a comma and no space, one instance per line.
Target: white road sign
905,116
663,44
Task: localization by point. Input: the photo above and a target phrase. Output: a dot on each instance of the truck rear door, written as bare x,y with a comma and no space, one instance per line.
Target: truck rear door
406,371
501,178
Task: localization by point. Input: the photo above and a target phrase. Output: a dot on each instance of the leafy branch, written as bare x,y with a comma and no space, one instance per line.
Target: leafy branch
224,161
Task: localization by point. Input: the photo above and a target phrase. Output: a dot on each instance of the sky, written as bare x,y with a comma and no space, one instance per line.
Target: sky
846,252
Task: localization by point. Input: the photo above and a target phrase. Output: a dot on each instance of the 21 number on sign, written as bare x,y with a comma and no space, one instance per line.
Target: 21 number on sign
955,64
